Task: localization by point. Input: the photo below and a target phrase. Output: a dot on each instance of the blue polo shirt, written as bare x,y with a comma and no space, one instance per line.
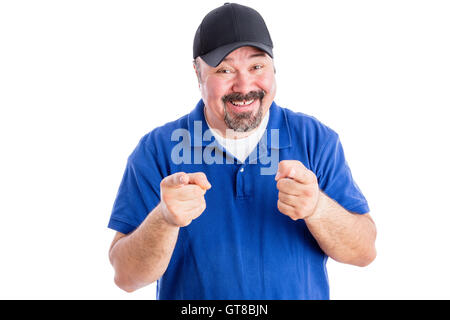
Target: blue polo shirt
241,247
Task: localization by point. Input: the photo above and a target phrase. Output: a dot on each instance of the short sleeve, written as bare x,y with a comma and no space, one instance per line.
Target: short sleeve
138,193
335,177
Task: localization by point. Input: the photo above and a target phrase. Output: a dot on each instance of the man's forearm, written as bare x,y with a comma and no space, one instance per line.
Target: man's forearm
344,236
141,257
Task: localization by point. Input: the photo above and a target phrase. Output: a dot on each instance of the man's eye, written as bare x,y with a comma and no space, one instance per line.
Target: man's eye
257,67
224,71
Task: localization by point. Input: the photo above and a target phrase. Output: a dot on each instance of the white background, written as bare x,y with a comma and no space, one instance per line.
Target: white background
82,81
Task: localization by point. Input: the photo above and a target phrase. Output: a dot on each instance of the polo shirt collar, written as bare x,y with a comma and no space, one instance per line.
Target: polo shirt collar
197,126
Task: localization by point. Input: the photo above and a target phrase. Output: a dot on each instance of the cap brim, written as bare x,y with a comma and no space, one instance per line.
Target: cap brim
215,57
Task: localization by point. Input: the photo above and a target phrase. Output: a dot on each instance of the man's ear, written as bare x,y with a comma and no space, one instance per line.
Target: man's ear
197,73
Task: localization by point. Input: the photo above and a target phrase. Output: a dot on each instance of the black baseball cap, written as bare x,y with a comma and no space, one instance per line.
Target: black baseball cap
228,28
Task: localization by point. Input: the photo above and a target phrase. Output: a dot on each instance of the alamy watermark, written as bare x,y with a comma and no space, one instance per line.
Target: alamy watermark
189,149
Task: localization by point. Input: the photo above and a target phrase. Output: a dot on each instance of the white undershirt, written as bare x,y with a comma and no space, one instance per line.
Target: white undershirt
241,148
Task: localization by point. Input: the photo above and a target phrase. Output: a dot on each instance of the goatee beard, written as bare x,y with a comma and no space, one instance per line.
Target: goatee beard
244,121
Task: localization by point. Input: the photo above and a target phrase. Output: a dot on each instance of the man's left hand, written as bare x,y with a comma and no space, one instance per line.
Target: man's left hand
298,190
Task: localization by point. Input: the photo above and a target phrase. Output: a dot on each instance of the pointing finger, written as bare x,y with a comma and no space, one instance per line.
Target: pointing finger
295,170
199,178
175,180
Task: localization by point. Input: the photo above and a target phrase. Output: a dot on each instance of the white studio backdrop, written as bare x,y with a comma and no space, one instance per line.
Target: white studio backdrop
82,81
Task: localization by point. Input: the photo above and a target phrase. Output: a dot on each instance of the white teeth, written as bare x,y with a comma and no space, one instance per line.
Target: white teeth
242,103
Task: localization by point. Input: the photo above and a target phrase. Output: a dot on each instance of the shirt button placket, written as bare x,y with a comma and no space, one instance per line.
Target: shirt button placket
240,183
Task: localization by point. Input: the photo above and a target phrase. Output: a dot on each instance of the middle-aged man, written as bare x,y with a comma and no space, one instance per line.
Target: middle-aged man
241,198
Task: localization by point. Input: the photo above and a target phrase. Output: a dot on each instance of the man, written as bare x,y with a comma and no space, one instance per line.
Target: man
252,201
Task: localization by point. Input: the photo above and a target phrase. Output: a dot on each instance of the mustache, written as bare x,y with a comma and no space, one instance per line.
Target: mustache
237,96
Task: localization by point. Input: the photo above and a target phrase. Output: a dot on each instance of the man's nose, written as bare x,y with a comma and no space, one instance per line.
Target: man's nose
242,83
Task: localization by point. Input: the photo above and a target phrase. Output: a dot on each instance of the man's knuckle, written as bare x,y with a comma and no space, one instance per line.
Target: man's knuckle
282,163
298,212
202,206
201,175
198,192
280,195
284,184
300,164
303,203
308,192
279,184
279,205
312,177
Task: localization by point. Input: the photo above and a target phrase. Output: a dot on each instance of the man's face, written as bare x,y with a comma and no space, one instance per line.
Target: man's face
239,91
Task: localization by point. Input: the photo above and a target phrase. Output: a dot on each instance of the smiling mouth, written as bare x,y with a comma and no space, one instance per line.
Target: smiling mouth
242,103
240,100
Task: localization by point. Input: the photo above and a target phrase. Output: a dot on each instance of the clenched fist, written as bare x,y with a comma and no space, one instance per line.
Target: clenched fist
182,197
298,190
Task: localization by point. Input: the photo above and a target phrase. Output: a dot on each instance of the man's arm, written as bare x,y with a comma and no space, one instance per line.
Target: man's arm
343,236
346,237
142,257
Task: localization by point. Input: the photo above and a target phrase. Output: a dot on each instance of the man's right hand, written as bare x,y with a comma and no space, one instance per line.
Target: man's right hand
182,197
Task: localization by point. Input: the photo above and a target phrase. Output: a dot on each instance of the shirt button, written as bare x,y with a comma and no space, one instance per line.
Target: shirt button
242,170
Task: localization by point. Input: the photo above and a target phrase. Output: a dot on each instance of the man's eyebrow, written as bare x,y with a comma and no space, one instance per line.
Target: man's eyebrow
255,55
260,54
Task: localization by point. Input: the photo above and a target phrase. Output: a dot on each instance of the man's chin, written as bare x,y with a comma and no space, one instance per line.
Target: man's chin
243,121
